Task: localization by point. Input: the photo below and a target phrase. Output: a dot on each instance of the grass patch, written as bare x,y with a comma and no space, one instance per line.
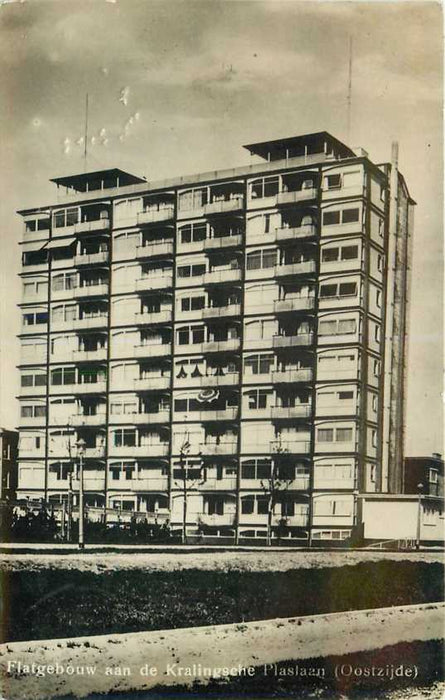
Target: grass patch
49,604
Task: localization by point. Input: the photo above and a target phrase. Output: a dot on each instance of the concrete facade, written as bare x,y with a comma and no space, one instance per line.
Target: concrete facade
8,464
223,335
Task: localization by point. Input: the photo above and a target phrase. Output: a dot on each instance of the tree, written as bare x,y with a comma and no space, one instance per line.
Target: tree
274,485
189,478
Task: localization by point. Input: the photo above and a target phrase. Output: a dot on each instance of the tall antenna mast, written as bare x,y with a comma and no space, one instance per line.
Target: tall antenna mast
85,151
349,101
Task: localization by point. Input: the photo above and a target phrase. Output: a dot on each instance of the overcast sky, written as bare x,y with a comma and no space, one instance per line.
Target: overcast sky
202,78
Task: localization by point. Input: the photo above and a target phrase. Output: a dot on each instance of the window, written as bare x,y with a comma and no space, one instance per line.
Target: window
377,333
257,399
329,254
191,270
193,233
343,434
63,375
350,216
348,289
325,435
37,318
333,182
261,259
38,411
125,437
337,327
349,252
376,368
264,187
374,403
346,395
193,199
379,262
331,217
346,326
433,476
262,505
328,290
33,380
247,505
192,303
374,438
378,298
215,505
259,364
256,469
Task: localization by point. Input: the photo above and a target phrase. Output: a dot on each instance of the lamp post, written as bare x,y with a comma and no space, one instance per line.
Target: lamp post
81,451
419,513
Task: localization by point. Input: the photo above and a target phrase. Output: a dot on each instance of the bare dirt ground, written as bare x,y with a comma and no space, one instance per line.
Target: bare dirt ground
261,560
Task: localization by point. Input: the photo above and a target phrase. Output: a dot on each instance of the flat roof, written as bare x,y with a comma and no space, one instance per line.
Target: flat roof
79,182
278,146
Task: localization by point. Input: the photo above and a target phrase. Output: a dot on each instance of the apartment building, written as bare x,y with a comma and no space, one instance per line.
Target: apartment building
8,464
234,339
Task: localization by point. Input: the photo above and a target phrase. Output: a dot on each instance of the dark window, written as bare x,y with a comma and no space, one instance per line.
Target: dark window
263,470
197,303
248,470
184,271
333,181
40,380
27,380
247,506
180,404
329,254
350,215
331,217
348,288
40,411
328,290
349,252
263,506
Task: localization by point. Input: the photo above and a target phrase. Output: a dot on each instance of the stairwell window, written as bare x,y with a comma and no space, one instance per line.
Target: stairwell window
333,182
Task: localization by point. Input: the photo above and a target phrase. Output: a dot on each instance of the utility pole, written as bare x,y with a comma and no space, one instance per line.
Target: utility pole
80,452
419,515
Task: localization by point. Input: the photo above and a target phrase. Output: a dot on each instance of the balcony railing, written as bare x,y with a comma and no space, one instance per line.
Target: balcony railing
231,344
227,483
218,276
223,242
292,375
155,350
94,452
162,316
152,383
90,388
92,290
151,250
148,283
229,379
86,323
155,483
290,446
223,448
88,355
295,233
37,328
141,418
223,206
91,259
89,226
152,216
296,196
289,341
285,412
159,449
301,268
83,419
295,304
229,413
221,311
217,520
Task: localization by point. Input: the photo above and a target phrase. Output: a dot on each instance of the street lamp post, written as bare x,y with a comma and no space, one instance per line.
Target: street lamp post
80,451
419,514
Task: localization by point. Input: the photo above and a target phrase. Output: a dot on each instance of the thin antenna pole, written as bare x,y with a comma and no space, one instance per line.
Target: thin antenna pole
86,134
349,90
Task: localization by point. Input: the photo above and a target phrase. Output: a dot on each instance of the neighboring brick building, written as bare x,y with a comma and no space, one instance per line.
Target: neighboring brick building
8,463
427,471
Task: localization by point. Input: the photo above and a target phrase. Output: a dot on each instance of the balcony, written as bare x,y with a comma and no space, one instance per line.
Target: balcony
159,483
224,206
90,226
35,328
158,449
89,355
93,290
79,420
36,390
286,412
154,216
219,276
225,484
297,520
301,268
290,341
141,418
295,304
221,311
145,284
151,250
162,316
223,242
223,448
295,233
154,350
290,446
91,388
229,379
152,383
29,421
92,259
296,196
231,344
291,376
85,323
217,520
229,413
94,452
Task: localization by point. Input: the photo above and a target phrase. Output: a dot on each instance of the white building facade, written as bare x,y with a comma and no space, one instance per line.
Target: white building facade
229,329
